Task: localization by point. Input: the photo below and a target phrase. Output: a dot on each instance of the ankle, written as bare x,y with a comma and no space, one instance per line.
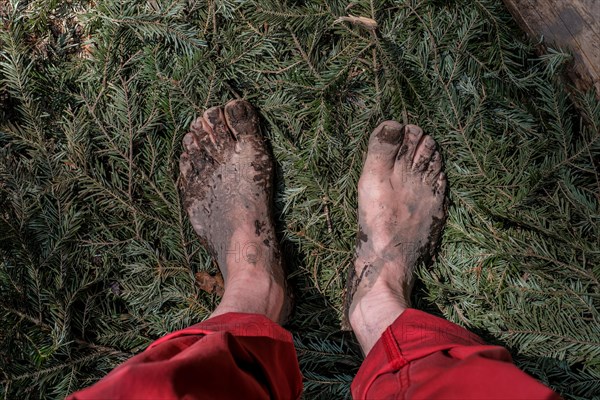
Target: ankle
372,311
253,292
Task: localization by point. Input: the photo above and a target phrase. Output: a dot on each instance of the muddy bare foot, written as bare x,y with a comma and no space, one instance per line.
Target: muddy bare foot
226,185
401,214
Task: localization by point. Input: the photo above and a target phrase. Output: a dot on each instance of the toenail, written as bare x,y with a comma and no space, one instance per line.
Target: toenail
211,118
390,134
213,115
206,126
429,143
239,111
415,130
196,124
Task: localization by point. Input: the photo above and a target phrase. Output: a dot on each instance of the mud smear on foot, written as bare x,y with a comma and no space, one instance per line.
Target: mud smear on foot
258,227
361,237
419,254
353,281
220,179
408,233
351,287
227,178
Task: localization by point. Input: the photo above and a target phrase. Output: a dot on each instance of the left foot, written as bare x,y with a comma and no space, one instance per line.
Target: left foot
226,185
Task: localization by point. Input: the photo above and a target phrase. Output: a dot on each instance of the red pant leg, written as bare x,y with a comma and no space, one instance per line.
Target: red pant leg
231,356
425,357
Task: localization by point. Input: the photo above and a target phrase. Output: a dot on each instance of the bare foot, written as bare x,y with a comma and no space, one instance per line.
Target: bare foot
401,214
226,185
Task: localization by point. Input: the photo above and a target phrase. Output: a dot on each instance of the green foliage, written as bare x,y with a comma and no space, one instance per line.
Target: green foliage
97,257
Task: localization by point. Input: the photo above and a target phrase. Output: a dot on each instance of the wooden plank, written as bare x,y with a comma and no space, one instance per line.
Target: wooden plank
573,25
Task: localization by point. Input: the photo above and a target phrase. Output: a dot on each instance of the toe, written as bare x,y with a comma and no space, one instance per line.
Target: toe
191,142
202,130
185,167
215,120
241,118
434,168
440,185
383,146
198,143
423,153
412,136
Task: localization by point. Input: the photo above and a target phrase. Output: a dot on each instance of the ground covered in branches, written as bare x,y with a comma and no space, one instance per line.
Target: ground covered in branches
97,258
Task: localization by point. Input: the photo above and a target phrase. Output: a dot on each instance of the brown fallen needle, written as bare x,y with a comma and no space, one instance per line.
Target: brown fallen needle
210,283
365,22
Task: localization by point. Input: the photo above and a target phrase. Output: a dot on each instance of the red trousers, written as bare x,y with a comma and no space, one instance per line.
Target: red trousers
247,356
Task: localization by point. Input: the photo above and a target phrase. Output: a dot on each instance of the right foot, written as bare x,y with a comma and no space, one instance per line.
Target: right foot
401,215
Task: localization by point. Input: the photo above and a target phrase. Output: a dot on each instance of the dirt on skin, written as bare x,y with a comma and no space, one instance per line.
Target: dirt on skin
226,185
402,209
226,175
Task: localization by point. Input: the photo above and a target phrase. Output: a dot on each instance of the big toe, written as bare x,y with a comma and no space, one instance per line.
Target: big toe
383,146
241,118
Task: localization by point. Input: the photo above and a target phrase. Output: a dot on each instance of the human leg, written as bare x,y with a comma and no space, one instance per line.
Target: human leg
240,351
402,210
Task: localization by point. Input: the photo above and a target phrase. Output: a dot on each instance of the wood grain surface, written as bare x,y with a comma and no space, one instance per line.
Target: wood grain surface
573,25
